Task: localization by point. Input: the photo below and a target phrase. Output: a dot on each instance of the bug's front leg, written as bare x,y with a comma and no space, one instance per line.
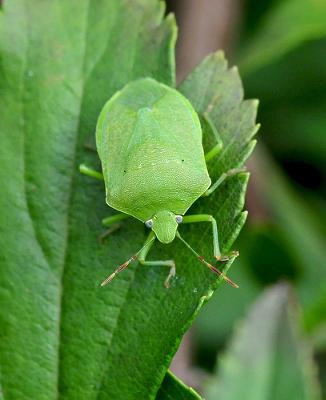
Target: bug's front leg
188,219
114,219
169,263
113,223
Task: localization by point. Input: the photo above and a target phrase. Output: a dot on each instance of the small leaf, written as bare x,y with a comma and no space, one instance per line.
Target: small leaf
266,359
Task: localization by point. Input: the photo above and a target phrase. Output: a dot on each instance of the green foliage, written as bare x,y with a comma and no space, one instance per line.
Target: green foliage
290,79
57,70
278,364
303,237
283,61
287,25
294,113
60,62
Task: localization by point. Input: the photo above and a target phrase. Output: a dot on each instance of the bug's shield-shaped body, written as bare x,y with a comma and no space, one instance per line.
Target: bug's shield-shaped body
149,140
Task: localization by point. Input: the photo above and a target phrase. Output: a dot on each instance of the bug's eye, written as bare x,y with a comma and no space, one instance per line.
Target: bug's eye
178,218
149,223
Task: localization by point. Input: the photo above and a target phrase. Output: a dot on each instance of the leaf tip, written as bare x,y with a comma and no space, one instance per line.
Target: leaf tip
255,102
218,55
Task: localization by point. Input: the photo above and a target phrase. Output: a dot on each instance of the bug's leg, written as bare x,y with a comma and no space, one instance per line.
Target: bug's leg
188,219
108,232
213,152
210,135
90,172
90,147
114,218
169,263
113,223
208,265
222,178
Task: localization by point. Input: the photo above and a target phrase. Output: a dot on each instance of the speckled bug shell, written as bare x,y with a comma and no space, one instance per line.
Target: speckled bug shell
149,140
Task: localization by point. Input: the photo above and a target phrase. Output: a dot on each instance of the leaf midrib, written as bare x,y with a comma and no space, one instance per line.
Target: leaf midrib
70,197
24,131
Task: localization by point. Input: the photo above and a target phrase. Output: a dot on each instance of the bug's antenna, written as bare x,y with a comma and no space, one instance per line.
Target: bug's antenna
125,264
210,266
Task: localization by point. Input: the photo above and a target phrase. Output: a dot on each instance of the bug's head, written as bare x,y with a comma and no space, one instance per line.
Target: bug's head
164,224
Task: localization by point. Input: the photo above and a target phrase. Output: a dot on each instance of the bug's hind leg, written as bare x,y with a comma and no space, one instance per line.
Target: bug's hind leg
113,223
210,136
169,263
222,178
83,169
188,219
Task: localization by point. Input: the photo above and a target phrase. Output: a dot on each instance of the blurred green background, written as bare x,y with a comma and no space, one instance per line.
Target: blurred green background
280,50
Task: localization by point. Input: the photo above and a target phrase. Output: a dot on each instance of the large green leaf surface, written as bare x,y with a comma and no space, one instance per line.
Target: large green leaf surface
266,359
61,336
60,61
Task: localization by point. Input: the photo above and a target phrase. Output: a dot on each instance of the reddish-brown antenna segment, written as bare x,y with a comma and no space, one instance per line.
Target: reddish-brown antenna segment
217,272
210,266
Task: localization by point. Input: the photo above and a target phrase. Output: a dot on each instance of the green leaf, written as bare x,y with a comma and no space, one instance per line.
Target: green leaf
60,61
285,27
267,358
216,91
172,388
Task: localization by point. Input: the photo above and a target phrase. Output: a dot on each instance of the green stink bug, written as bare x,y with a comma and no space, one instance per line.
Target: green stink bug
148,172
